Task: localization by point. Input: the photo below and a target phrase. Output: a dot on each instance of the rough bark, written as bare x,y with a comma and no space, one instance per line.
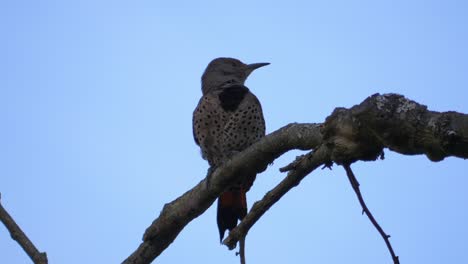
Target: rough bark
348,135
19,236
397,123
178,213
305,165
362,132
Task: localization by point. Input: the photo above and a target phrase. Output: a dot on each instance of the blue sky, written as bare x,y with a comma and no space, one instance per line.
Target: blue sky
96,101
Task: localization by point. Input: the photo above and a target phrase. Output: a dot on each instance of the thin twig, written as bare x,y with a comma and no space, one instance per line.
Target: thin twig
20,237
355,184
241,252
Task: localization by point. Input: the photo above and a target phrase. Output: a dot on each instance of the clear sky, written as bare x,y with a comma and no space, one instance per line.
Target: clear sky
96,101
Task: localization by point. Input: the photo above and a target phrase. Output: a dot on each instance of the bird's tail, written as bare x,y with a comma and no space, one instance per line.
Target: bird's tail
232,206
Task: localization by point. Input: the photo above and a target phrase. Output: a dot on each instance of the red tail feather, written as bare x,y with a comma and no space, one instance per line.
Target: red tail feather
232,206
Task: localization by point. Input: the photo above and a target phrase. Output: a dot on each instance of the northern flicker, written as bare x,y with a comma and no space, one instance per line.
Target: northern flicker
227,120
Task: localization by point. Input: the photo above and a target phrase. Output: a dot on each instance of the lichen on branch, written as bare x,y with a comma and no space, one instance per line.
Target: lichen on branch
397,123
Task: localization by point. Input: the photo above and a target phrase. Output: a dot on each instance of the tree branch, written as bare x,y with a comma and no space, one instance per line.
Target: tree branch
395,122
178,213
361,133
306,165
355,184
348,135
19,236
241,252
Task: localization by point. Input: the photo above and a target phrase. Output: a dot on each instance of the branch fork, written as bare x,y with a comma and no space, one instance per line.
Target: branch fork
359,133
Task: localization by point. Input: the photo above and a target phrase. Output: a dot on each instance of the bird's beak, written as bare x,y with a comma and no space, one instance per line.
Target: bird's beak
254,66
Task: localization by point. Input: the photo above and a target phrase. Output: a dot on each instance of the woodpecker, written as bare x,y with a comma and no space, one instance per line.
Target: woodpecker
227,120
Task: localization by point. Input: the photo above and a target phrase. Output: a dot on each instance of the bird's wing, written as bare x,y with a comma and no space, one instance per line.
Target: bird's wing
208,122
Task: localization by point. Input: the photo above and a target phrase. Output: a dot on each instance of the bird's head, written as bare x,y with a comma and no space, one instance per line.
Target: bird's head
222,72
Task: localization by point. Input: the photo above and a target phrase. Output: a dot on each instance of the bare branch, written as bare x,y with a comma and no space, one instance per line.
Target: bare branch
392,121
361,133
348,135
355,184
19,236
178,213
309,163
241,252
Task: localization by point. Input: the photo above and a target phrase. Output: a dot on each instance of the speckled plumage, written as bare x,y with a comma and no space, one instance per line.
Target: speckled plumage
223,131
227,120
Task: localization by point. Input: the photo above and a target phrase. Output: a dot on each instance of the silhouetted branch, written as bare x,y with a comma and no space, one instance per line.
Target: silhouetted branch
395,122
241,252
178,213
19,236
355,184
348,135
302,169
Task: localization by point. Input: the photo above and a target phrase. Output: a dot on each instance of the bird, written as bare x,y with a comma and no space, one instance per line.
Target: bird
227,120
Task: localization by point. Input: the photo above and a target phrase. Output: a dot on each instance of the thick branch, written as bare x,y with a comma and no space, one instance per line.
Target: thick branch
177,214
348,135
394,122
361,133
19,236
